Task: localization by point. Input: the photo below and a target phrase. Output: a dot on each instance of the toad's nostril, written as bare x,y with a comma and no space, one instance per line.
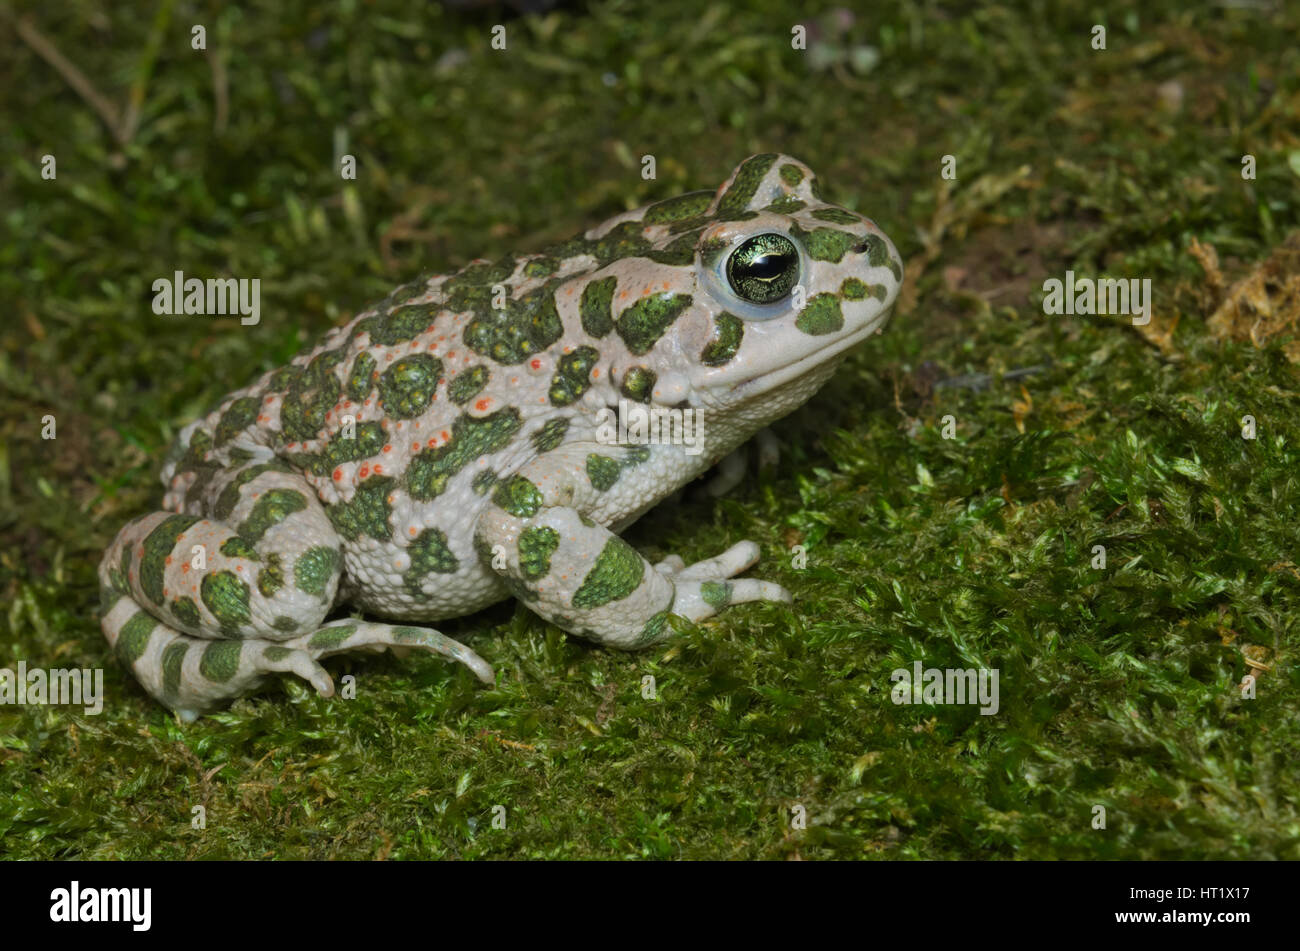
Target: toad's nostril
860,248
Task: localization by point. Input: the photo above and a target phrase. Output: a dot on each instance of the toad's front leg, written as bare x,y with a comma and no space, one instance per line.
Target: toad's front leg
539,536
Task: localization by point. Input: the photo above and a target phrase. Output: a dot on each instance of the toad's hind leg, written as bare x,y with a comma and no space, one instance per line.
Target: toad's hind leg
202,609
191,602
341,637
192,675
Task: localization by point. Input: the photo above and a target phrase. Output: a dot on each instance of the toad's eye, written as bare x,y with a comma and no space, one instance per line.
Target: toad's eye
763,269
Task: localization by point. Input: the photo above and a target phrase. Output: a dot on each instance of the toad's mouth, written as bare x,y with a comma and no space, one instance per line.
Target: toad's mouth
786,372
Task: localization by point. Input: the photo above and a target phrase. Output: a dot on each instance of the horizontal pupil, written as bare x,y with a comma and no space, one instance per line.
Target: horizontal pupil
768,266
762,270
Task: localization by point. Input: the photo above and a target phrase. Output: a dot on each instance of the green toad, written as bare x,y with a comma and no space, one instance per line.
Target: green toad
450,446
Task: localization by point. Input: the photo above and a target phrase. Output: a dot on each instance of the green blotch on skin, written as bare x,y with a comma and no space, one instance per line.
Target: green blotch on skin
602,471
716,594
748,177
312,393
366,440
158,545
283,378
187,612
526,325
192,454
133,639
642,324
275,653
536,545
837,216
108,598
675,209
366,513
878,255
286,625
518,496
596,307
173,660
826,244
792,175
635,455
362,378
876,251
271,509
241,414
471,288
471,437
429,553
399,325
853,289
616,573
226,597
551,435
822,315
785,205
236,547
315,568
407,387
573,375
468,384
541,267
719,351
271,578
680,253
638,384
229,496
331,637
622,241
654,628
220,660
483,481
403,293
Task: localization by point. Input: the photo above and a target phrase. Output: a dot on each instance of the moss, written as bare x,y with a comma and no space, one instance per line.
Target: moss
1118,685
